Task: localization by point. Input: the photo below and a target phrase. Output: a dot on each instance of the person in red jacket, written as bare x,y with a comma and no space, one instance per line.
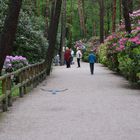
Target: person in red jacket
67,57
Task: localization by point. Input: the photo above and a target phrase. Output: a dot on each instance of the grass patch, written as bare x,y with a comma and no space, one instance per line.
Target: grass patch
15,93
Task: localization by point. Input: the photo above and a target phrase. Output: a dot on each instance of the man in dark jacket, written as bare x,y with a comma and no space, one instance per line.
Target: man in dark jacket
91,59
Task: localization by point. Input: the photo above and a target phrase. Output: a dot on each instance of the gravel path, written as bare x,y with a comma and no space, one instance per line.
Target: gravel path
91,107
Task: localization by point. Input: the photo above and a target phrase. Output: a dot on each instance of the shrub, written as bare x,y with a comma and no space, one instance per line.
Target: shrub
129,64
30,41
102,54
13,63
121,51
85,56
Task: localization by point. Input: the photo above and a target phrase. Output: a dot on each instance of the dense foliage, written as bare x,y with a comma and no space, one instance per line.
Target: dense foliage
30,41
121,51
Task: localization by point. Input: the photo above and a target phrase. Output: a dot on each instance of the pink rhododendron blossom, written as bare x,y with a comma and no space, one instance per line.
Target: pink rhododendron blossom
138,28
135,14
122,47
138,42
114,44
9,65
79,44
138,35
122,41
15,62
134,39
8,60
118,49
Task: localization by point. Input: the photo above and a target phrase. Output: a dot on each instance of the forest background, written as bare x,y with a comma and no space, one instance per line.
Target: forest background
79,20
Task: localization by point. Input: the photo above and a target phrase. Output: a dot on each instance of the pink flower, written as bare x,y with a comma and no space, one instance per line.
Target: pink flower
122,41
138,42
138,28
9,65
114,44
120,48
134,39
7,60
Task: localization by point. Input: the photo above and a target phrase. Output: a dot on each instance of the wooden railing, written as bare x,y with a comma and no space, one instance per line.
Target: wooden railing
29,76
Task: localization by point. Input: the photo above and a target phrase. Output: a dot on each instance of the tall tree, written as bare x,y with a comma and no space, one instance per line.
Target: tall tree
38,7
53,5
101,4
82,17
71,22
126,16
47,18
53,33
94,28
114,16
108,19
63,31
120,12
130,6
7,36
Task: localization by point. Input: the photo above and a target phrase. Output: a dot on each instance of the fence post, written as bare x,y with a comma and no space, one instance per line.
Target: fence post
4,102
9,90
25,77
21,94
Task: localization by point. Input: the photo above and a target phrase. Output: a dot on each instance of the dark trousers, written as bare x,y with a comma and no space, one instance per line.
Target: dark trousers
91,67
68,64
78,62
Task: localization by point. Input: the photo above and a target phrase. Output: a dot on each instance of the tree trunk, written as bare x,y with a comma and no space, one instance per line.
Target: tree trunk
47,19
101,4
120,11
71,23
52,34
130,5
108,20
126,16
8,34
38,7
34,2
114,16
82,19
63,31
53,5
94,29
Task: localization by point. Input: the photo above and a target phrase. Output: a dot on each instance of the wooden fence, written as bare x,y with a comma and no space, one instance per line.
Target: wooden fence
29,76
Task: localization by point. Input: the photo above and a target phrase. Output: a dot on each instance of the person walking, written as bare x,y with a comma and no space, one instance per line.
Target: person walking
57,60
67,57
91,59
79,56
72,55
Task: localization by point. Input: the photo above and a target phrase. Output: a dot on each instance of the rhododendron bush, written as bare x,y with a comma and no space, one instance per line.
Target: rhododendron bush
135,17
13,63
123,50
